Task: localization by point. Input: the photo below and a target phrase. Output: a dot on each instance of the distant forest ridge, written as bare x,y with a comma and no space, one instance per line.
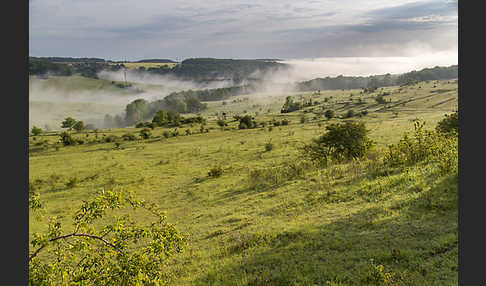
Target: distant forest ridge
210,69
375,81
197,69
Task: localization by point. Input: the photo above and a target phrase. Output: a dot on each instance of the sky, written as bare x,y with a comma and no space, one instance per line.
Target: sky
349,35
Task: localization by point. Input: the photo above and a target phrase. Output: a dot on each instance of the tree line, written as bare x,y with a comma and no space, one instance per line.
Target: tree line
370,83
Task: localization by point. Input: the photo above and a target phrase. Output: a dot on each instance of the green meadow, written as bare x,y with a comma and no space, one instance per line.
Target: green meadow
271,218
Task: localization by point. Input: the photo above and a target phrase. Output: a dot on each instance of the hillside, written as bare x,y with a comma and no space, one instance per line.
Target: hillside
272,218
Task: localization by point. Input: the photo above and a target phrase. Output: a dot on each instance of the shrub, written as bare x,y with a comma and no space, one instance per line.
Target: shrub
247,122
449,125
110,138
329,114
72,182
221,123
364,112
166,134
67,139
36,131
350,113
188,131
276,123
269,146
145,133
343,141
129,137
380,99
424,145
285,122
175,132
302,119
216,171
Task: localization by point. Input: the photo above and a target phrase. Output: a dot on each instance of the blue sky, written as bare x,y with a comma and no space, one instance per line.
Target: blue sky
127,29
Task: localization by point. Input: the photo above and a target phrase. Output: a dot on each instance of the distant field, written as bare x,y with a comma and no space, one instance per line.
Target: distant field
318,228
148,65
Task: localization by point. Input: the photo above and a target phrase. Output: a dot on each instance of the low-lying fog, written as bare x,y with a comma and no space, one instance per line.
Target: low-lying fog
152,87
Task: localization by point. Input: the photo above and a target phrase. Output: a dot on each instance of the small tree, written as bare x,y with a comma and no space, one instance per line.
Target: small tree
329,114
343,141
36,131
68,123
78,126
160,118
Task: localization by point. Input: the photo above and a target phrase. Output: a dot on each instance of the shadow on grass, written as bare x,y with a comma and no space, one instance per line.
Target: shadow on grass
417,246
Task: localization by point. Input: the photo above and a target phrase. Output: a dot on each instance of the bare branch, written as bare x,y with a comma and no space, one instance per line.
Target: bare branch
71,235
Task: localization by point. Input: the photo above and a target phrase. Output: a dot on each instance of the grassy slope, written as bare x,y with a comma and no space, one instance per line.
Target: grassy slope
323,226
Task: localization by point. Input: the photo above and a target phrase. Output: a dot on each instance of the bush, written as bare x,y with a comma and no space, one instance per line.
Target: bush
380,99
424,145
247,122
36,131
216,171
110,138
449,125
67,139
343,141
129,137
329,114
221,123
145,133
166,134
285,122
350,113
72,182
269,146
302,119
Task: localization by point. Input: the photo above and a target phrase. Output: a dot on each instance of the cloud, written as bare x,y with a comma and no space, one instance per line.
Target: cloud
127,29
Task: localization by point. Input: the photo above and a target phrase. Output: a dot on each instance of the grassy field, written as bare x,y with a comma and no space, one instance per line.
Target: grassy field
321,226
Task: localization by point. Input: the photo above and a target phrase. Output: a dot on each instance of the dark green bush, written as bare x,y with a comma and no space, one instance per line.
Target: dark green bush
145,133
216,171
129,137
329,114
449,125
67,139
36,131
343,141
269,146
